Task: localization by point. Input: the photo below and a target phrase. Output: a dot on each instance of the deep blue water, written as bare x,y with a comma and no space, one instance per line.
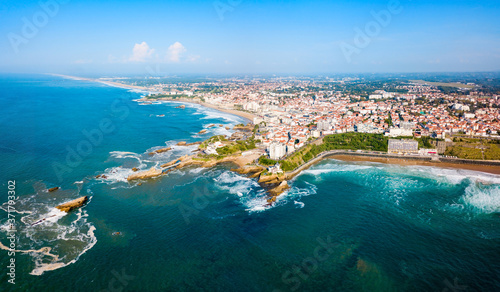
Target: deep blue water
341,227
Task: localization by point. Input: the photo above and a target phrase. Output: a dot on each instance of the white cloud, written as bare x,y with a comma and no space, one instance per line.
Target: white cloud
175,51
141,52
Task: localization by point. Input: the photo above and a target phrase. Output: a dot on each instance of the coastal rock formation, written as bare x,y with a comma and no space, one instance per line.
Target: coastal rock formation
279,189
135,169
182,143
211,126
53,189
183,158
221,125
248,127
152,172
249,169
202,131
227,128
269,179
194,143
160,151
181,106
257,174
71,205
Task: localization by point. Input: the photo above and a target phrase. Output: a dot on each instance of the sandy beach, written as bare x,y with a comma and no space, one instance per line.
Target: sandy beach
109,83
405,162
246,115
242,114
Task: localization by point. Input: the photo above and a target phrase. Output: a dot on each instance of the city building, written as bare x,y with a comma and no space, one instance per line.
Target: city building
404,146
277,150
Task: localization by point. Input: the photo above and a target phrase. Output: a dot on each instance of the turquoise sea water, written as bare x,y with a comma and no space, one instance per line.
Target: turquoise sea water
341,227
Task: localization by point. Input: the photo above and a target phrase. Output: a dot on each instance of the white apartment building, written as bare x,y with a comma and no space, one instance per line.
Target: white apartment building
277,150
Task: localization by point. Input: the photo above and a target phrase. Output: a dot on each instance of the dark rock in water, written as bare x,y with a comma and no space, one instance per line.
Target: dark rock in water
104,176
53,189
135,169
71,205
182,143
160,151
98,176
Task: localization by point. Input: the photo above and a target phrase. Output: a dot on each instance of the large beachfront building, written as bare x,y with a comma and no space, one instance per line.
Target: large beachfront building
404,146
277,150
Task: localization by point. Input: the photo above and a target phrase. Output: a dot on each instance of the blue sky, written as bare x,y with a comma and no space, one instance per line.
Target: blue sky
242,36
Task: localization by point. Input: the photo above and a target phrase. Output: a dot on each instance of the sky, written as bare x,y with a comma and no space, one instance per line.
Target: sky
242,36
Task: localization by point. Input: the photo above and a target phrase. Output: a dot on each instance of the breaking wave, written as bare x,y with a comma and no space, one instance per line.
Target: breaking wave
52,238
482,198
252,196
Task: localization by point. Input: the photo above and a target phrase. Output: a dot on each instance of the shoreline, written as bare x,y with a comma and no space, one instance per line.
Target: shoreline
246,115
109,83
340,155
404,161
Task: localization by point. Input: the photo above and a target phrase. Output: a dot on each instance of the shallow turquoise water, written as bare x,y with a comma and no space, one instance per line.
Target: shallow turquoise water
341,227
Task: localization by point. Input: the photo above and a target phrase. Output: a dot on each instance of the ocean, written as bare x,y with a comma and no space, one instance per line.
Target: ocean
343,226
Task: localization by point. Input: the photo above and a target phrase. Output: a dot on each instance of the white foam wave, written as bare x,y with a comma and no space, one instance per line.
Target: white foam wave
253,197
452,175
328,168
485,199
52,217
210,113
235,183
299,204
196,170
51,242
116,174
124,154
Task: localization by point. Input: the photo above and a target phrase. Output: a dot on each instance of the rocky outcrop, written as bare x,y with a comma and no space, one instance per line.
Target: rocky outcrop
211,126
183,158
221,125
71,205
268,179
202,131
194,143
152,172
160,151
135,169
227,128
249,169
279,189
182,143
257,174
53,189
243,128
181,106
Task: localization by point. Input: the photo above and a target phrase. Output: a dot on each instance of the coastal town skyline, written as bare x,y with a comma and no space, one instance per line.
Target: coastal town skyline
298,37
235,145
